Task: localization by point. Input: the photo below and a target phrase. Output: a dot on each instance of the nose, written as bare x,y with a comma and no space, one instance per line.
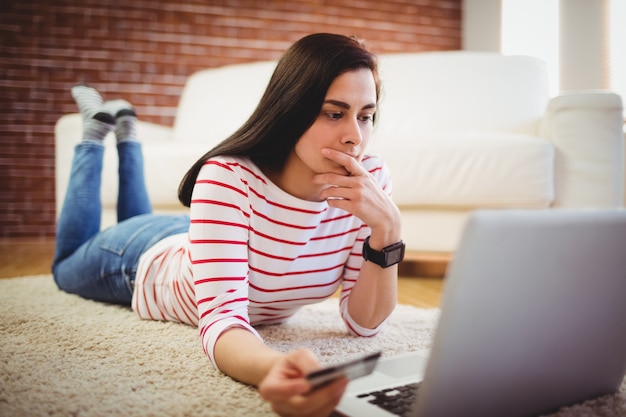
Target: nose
352,134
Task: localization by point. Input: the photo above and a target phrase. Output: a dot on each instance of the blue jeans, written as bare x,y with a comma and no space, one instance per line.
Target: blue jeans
102,265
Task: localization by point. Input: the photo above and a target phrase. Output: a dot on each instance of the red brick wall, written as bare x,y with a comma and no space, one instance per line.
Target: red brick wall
143,50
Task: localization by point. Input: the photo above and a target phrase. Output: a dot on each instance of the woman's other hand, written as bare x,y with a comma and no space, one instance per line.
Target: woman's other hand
287,390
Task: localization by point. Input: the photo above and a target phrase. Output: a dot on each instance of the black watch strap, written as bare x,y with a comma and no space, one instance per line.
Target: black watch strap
390,255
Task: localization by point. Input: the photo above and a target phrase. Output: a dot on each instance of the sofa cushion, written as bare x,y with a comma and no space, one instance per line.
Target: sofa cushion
461,91
217,101
164,168
470,170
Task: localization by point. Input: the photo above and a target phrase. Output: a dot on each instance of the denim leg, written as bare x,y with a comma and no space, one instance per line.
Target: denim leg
82,209
102,265
132,197
104,268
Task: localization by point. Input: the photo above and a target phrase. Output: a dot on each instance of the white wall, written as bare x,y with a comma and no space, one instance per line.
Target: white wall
584,45
583,38
481,25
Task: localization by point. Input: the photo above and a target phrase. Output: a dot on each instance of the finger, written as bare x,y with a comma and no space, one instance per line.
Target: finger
337,192
349,188
304,360
343,204
324,400
320,402
286,378
277,390
349,163
334,179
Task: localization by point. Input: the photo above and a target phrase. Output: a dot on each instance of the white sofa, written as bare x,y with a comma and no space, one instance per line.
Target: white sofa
459,130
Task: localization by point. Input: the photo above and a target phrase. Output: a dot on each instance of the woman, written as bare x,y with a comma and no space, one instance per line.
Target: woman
282,214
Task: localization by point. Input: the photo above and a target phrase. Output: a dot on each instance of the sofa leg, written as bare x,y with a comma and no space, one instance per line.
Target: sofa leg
426,265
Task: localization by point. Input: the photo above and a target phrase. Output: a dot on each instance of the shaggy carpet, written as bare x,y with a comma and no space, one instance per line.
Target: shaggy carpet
61,355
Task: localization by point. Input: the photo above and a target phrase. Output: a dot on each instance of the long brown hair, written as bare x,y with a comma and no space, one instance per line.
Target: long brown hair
291,102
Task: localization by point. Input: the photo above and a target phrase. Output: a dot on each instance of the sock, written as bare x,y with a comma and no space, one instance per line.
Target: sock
125,119
96,122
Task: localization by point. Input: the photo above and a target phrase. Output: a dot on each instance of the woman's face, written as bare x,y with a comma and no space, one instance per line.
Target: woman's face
345,124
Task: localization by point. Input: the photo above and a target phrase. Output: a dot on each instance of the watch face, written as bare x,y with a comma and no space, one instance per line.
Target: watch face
390,255
394,256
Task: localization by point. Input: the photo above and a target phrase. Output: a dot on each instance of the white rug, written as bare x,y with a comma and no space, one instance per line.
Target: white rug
61,355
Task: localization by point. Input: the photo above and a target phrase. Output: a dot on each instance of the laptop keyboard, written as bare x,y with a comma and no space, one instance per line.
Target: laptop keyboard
397,400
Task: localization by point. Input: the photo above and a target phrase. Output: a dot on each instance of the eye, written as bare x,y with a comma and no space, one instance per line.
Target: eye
334,115
366,118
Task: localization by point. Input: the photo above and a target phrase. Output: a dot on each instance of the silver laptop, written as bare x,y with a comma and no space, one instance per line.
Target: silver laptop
533,318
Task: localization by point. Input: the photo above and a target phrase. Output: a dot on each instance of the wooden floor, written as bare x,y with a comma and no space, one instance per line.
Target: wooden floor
419,283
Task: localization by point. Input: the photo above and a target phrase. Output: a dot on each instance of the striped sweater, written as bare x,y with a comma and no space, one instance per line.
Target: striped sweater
254,254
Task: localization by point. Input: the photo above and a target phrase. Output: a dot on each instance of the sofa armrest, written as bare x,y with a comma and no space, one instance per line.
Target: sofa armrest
586,129
68,132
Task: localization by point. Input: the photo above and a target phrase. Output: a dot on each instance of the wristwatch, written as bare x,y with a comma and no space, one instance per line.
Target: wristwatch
390,255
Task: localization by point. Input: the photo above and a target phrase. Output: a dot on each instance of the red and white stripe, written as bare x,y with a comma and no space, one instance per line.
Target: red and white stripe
254,254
